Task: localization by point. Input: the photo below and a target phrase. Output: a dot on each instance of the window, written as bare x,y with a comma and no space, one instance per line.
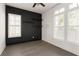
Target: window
14,25
59,24
73,23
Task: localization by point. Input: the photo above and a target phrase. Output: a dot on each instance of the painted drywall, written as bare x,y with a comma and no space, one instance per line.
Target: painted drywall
47,32
2,27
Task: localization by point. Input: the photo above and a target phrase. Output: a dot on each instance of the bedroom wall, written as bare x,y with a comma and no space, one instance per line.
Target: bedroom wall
2,27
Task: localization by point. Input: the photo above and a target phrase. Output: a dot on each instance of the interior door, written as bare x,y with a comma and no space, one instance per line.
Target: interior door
14,28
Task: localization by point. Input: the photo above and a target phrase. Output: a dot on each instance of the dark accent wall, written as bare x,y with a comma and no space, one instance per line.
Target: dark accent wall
31,25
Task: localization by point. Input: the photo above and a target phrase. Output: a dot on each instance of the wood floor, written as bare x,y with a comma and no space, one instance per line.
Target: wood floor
34,48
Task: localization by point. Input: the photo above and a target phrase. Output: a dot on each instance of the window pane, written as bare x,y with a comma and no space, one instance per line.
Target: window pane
59,33
73,34
18,21
11,31
73,17
18,31
59,20
11,19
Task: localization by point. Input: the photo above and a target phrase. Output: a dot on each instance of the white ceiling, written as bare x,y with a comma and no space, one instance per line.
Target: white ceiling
37,9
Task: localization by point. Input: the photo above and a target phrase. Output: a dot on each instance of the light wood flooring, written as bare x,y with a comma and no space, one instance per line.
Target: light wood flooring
34,48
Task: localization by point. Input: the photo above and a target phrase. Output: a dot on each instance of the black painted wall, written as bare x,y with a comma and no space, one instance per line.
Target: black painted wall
31,25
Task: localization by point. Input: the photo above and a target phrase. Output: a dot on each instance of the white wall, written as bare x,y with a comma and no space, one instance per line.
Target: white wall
47,33
2,27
